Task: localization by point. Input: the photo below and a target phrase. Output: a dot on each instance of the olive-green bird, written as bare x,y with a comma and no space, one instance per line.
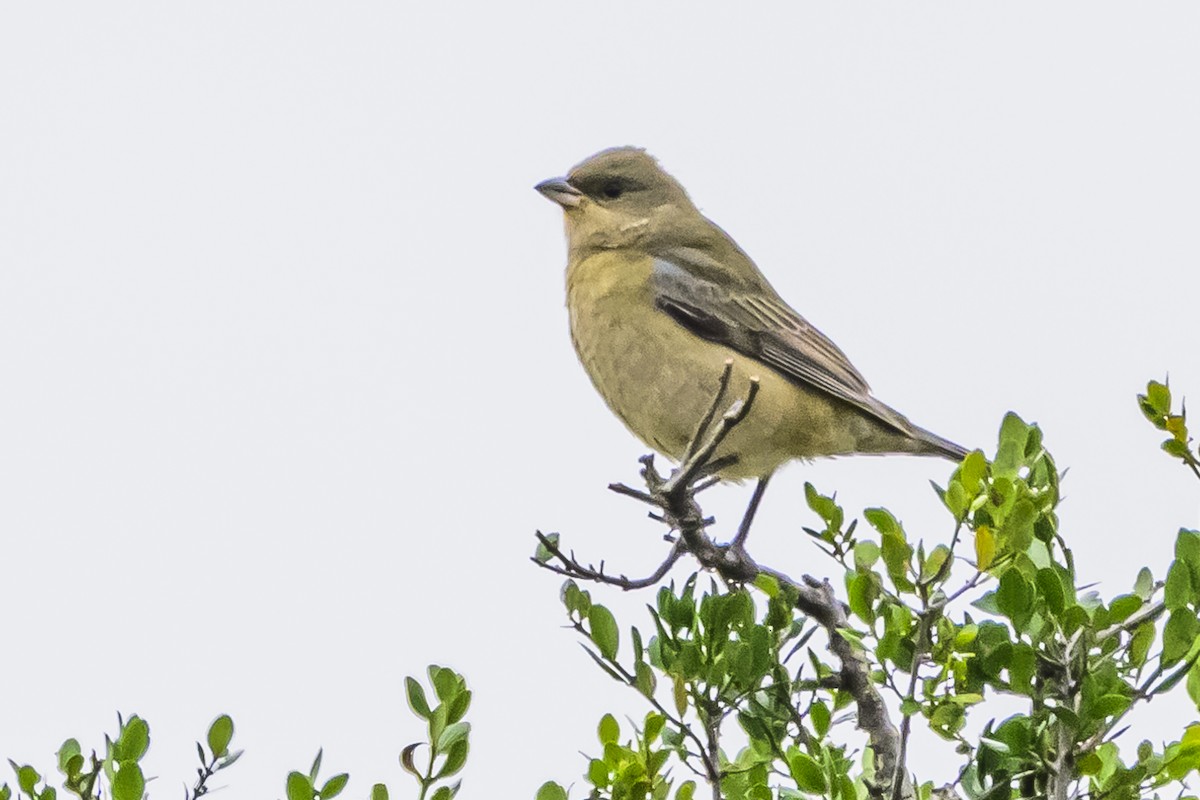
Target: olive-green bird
660,298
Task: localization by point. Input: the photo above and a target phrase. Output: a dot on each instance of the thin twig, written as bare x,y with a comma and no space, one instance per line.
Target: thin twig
722,387
1134,620
713,729
691,467
743,532
674,497
574,569
636,494
906,722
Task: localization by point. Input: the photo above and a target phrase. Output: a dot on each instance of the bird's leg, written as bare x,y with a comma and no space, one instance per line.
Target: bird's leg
743,531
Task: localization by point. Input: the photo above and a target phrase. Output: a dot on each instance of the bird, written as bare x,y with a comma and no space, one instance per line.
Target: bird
660,299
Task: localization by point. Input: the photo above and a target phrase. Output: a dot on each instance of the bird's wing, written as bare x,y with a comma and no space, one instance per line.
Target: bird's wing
755,322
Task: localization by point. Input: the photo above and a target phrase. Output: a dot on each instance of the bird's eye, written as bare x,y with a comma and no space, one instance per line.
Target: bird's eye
613,190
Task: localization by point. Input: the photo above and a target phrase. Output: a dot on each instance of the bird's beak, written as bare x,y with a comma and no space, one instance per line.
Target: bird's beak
561,192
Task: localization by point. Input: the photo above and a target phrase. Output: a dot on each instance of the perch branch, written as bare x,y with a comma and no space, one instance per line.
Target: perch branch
674,501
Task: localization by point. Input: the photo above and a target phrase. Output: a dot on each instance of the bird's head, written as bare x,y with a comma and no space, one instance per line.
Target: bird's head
620,198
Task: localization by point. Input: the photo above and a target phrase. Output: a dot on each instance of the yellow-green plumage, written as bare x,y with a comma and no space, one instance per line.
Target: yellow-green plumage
660,379
660,299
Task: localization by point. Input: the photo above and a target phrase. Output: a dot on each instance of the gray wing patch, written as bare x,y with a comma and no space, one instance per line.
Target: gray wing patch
763,327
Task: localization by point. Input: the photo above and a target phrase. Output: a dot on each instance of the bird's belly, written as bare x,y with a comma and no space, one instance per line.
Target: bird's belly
661,380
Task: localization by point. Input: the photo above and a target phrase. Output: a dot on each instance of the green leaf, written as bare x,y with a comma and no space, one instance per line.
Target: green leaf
1021,666
987,602
1110,705
551,791
825,507
985,548
1158,398
604,631
1014,597
1051,588
654,726
643,678
1089,764
456,758
1176,448
543,553
807,773
955,499
936,562
134,740
299,787
882,520
1193,684
220,734
972,472
379,792
333,787
453,733
820,716
896,554
1140,643
866,553
1123,607
1187,547
1178,590
1014,433
416,698
965,635
609,729
447,683
458,706
680,695
27,777
1017,531
1180,631
577,601
861,591
597,773
1143,587
686,791
128,784
67,755
767,584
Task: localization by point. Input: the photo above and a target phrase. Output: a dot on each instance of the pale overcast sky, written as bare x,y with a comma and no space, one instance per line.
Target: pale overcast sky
287,385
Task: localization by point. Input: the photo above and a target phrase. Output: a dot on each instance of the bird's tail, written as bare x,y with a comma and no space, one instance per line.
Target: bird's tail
933,445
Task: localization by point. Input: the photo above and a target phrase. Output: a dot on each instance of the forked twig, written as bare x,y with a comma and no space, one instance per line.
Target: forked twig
673,500
722,387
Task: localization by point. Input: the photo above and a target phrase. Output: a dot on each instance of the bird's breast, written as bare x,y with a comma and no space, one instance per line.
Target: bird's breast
660,379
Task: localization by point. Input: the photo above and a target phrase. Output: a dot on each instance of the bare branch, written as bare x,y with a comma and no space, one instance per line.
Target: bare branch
743,533
722,387
692,467
574,569
674,499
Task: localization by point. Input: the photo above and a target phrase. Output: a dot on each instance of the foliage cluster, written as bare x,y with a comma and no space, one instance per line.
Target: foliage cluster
118,774
751,695
994,608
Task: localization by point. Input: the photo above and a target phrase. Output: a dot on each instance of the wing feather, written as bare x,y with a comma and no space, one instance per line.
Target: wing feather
757,323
